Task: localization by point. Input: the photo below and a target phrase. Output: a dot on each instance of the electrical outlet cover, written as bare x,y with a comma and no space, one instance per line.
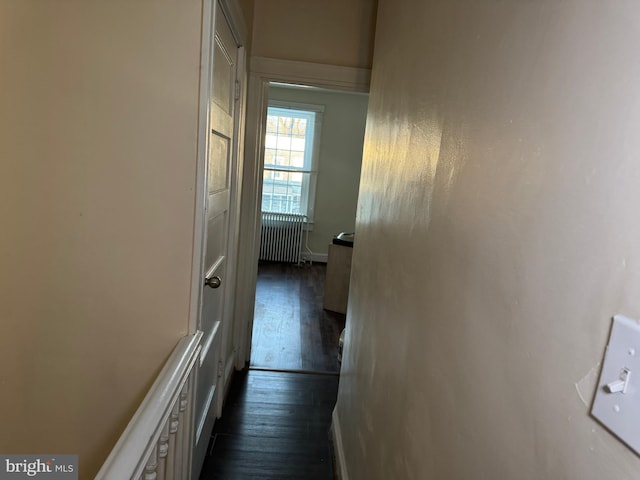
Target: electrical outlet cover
620,412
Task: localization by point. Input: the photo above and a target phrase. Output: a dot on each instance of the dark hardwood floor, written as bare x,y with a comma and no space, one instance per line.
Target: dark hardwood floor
275,425
276,418
291,331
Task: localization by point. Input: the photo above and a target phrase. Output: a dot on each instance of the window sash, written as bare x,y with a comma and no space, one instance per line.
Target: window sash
309,137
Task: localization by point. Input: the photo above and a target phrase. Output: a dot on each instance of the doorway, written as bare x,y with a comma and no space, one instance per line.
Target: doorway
313,139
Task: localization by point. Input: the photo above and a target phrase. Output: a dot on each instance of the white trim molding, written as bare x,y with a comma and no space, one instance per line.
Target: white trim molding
313,74
233,13
315,257
336,433
158,441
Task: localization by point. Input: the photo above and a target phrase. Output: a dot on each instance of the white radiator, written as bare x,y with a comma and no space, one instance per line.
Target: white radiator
281,237
158,442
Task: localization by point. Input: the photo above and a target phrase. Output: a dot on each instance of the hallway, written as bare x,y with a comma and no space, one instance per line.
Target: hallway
276,418
275,425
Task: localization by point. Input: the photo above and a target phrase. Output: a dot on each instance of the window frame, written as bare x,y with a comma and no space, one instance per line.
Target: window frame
311,161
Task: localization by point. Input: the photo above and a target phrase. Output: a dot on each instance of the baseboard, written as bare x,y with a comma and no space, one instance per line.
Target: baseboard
315,257
341,465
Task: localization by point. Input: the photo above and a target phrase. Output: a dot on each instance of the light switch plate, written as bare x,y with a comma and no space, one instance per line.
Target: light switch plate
618,411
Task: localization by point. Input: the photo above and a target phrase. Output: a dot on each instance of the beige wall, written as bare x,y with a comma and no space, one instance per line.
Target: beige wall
98,117
247,7
332,32
339,160
497,235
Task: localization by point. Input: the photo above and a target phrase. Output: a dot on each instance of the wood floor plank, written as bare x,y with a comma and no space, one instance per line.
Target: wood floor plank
275,425
291,329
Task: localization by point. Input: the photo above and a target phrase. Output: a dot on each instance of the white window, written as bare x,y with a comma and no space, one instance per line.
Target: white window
290,163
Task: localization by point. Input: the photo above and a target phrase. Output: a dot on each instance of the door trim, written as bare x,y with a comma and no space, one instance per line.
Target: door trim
235,18
233,230
262,72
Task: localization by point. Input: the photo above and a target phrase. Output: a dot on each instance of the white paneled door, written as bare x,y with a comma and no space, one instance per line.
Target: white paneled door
220,178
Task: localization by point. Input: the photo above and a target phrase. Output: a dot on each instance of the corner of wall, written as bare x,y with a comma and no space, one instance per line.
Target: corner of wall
338,450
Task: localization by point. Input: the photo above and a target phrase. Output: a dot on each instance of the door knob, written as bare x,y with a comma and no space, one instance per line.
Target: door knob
213,282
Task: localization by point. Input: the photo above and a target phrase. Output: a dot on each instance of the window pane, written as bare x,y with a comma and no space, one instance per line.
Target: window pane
269,156
298,144
272,124
281,192
283,158
283,142
299,127
284,125
270,140
297,159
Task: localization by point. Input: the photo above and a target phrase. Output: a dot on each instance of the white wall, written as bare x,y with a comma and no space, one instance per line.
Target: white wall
339,160
98,124
497,235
